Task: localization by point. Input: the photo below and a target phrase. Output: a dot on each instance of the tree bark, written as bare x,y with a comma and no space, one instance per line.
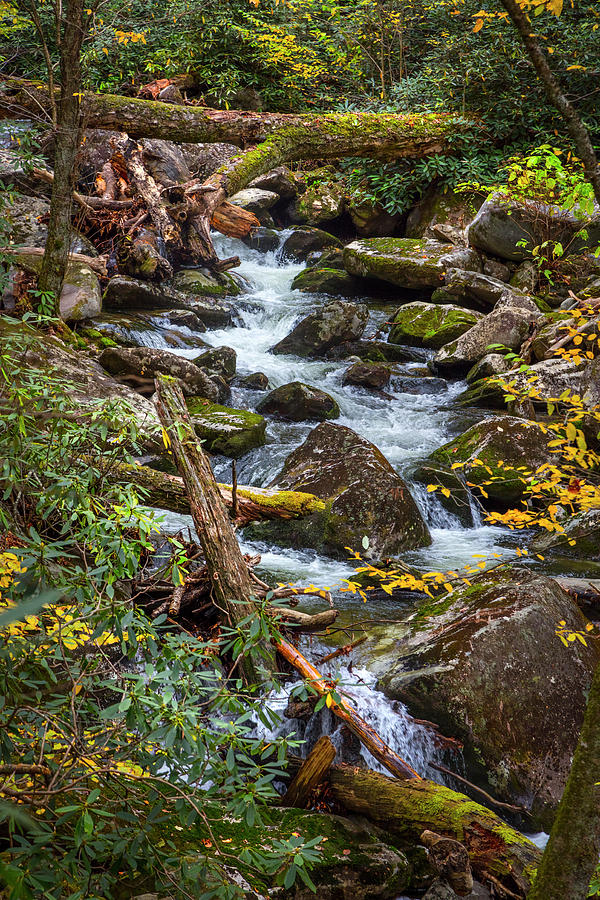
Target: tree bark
231,585
572,852
311,774
577,130
66,145
406,808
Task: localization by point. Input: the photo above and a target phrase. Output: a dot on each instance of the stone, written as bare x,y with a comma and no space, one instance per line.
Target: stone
222,360
516,300
584,529
371,219
364,496
551,377
406,263
256,201
458,502
147,362
549,333
256,381
203,283
441,207
526,277
496,268
495,453
318,280
486,666
140,330
372,376
419,384
280,181
263,239
331,258
478,290
299,402
489,366
430,325
165,161
502,224
231,432
304,240
123,293
321,203
332,324
374,351
27,228
205,159
504,327
80,297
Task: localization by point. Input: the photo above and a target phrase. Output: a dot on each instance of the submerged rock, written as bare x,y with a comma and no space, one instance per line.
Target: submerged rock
364,497
430,325
303,241
407,263
332,324
486,665
231,432
299,402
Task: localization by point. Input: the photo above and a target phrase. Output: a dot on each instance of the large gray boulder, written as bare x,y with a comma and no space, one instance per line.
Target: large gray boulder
321,203
299,402
204,159
407,263
257,201
144,363
506,327
486,665
123,293
334,323
280,180
165,161
327,280
80,297
230,432
474,289
305,240
363,494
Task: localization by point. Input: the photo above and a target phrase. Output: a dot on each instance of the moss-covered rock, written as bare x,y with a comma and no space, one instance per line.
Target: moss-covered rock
430,325
406,263
583,530
222,360
496,454
322,202
487,667
371,219
231,432
442,207
202,283
299,402
332,324
305,240
363,496
446,479
507,328
325,280
143,363
123,293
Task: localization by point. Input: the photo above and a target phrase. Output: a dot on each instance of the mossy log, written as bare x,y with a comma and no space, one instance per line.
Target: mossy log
406,808
253,504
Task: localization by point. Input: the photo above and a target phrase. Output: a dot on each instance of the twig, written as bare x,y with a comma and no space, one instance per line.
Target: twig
479,790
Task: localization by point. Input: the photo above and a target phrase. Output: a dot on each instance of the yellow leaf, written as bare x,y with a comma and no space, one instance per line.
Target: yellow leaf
432,487
329,701
478,26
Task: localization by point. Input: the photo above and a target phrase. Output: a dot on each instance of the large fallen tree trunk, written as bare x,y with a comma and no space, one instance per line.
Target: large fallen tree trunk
500,856
253,504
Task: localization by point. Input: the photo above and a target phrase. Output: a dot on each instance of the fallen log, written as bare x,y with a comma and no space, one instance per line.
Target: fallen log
406,808
253,504
303,622
310,775
229,577
357,725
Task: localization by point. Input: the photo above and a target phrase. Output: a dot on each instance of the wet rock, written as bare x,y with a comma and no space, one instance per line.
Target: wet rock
495,454
321,203
504,327
124,293
222,360
144,363
263,239
144,258
363,496
371,219
280,181
331,258
476,290
583,529
256,381
406,263
419,384
374,351
203,283
232,432
372,376
430,325
501,225
303,241
299,402
256,201
318,280
485,664
332,324
80,297
446,479
441,208
139,330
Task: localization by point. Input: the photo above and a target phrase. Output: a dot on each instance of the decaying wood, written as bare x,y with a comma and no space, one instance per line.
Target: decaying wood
86,203
230,582
310,775
303,622
406,808
96,263
342,651
357,725
450,860
233,221
253,504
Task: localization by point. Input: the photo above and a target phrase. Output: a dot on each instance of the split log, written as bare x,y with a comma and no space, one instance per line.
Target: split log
253,504
357,725
96,263
303,622
228,572
450,860
311,774
406,808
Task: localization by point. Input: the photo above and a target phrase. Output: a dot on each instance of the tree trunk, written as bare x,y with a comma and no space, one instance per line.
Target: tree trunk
551,84
572,852
406,808
66,145
311,774
231,585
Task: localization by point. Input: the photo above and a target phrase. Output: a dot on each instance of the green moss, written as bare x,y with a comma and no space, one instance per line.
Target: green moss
296,501
231,432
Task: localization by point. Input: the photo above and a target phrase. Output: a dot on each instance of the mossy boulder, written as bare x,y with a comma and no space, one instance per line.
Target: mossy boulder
441,207
363,494
299,402
325,280
139,365
221,360
305,240
445,479
406,263
322,202
203,283
507,328
124,293
231,432
583,530
478,291
487,666
334,323
371,219
496,454
430,325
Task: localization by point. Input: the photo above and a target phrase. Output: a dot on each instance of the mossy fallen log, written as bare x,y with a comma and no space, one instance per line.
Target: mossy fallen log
253,504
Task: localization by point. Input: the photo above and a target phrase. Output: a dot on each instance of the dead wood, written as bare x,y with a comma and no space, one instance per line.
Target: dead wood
310,775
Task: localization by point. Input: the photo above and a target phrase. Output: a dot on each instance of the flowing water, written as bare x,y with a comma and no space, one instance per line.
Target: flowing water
405,426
